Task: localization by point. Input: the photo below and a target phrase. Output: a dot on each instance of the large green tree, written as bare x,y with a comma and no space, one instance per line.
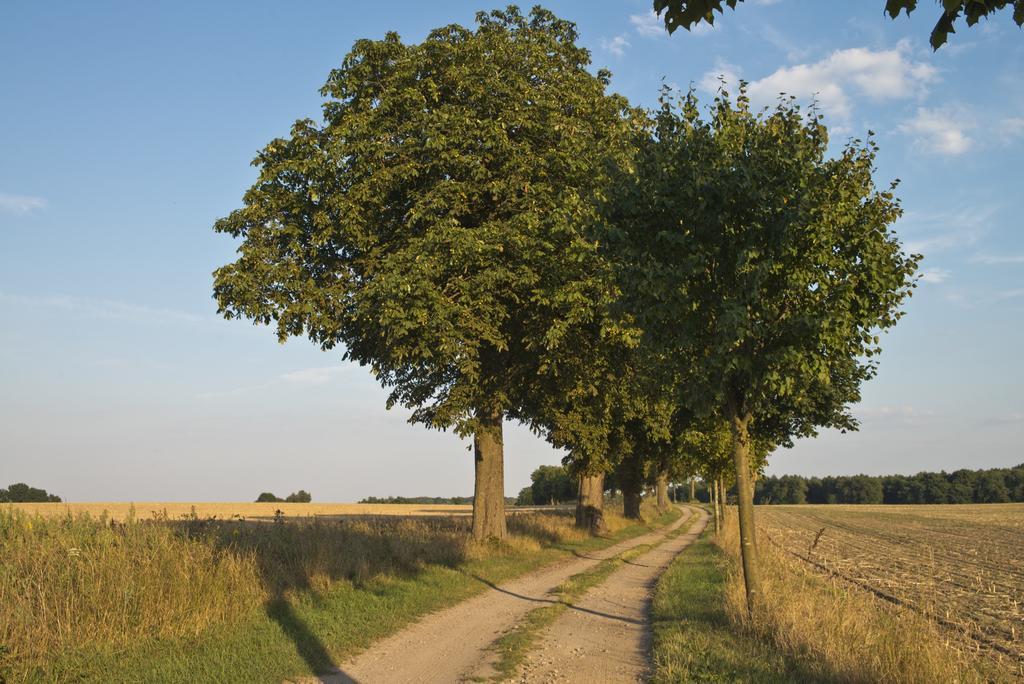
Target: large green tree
765,268
688,13
435,225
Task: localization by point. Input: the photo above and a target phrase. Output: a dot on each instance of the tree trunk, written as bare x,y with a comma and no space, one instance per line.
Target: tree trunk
693,490
713,499
590,503
630,472
662,483
745,506
489,482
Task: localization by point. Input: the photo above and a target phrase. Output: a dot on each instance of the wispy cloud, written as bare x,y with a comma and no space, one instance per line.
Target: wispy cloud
20,204
304,377
994,259
936,231
934,275
901,415
1011,128
104,308
941,131
617,45
778,40
1013,418
879,75
315,376
648,24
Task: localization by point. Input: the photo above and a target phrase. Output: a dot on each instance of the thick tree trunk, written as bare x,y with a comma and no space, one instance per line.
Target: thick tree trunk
630,472
489,483
662,488
590,503
745,507
693,490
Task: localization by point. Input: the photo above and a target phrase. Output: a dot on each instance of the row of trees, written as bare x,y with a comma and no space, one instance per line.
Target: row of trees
460,500
995,485
659,293
301,496
20,492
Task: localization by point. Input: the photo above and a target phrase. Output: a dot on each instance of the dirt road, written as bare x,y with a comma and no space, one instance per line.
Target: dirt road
453,644
605,636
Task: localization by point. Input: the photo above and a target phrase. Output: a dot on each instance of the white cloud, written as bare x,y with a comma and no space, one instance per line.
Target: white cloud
941,131
314,376
1010,294
877,74
20,204
934,275
617,45
648,24
994,259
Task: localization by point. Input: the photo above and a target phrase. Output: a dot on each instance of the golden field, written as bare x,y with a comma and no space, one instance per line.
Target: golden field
177,510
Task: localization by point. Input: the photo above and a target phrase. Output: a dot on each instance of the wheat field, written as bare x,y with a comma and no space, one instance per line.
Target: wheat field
177,510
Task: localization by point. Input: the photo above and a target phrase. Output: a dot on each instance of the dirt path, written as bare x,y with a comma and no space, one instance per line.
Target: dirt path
605,636
448,645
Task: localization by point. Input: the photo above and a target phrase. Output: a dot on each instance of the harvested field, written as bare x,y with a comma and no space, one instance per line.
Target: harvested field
961,565
144,510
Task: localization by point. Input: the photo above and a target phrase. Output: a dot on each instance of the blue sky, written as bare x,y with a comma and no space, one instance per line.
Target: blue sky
126,129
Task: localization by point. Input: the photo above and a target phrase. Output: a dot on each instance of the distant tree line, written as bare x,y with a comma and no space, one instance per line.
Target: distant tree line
22,493
995,485
301,496
442,500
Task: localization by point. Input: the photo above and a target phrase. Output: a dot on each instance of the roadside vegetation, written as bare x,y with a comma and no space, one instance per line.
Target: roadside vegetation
89,599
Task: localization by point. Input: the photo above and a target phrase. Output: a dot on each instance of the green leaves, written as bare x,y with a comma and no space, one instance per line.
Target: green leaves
437,224
688,13
760,269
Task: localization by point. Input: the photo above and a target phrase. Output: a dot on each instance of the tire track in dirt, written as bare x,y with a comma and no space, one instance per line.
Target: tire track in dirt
605,636
448,645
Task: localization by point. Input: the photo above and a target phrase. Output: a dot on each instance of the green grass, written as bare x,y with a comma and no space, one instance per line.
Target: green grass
513,646
693,637
314,594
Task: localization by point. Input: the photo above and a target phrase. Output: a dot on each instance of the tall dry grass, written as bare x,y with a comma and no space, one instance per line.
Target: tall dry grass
82,582
841,632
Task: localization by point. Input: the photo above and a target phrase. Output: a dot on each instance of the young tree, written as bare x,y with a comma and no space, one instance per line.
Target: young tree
767,268
435,224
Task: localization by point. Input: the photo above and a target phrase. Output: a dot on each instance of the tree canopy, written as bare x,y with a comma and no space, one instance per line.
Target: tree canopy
761,268
20,492
435,223
688,13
